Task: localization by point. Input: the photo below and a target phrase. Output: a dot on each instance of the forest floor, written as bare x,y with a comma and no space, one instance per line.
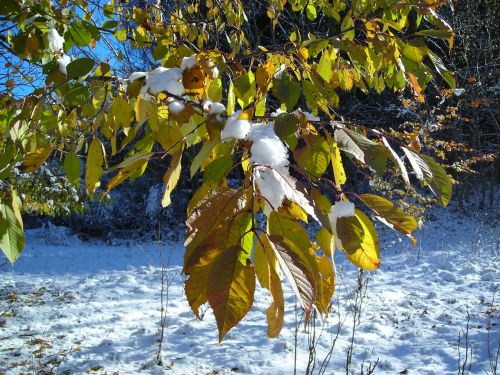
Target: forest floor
69,306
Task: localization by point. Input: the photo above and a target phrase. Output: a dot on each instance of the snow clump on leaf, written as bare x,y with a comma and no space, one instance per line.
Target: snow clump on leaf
164,80
267,149
56,42
137,75
270,157
176,107
63,62
213,108
235,128
188,62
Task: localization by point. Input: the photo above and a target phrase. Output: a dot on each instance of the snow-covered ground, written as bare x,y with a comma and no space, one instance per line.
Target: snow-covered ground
76,307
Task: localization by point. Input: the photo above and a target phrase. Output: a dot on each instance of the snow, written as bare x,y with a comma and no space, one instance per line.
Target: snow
279,72
235,128
215,72
137,75
188,62
104,301
164,79
213,108
341,209
278,112
63,62
56,42
176,107
308,115
267,149
270,159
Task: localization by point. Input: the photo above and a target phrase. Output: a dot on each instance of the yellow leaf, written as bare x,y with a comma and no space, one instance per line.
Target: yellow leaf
124,173
93,172
357,237
193,80
337,166
326,241
172,176
416,87
268,273
230,290
143,109
264,74
391,215
35,159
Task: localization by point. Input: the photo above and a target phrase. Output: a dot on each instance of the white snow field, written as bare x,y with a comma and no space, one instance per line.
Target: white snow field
74,307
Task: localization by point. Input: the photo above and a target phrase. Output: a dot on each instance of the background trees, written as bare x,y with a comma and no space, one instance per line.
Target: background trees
278,105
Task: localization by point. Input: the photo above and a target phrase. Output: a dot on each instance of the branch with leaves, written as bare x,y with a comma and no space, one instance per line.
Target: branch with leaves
240,105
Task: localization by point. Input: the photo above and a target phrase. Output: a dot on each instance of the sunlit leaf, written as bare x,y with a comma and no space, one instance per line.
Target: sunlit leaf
12,238
391,215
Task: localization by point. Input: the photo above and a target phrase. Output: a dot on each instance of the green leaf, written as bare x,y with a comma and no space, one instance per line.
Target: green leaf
347,27
415,50
313,155
79,68
325,66
12,238
285,127
291,231
390,215
245,89
363,149
206,149
438,34
311,12
108,25
72,168
440,183
287,90
441,69
79,34
218,168
121,35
